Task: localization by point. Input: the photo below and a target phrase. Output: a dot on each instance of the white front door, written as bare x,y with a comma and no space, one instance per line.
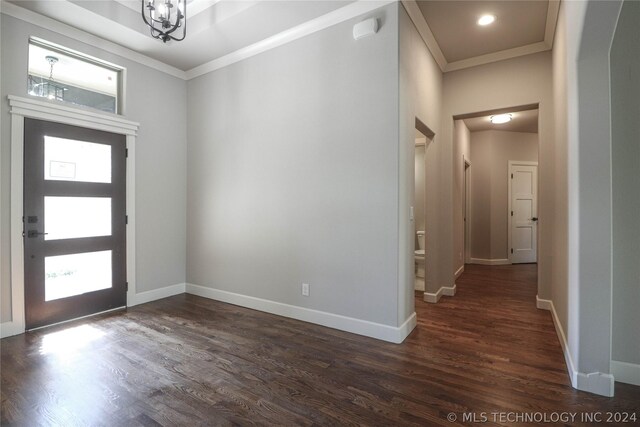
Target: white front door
523,222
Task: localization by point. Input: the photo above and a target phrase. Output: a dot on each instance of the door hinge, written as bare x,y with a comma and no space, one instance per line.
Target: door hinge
511,250
126,219
511,176
126,152
126,286
511,213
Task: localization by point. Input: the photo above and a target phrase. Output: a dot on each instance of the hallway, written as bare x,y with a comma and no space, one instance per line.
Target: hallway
188,360
498,352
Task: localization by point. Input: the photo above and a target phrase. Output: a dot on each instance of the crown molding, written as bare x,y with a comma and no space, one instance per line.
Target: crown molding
497,56
552,21
330,19
55,26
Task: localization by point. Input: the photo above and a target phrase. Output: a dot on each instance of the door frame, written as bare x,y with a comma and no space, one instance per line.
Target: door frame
21,108
467,208
513,163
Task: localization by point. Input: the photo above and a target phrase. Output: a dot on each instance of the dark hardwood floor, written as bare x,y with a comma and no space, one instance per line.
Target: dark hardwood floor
190,361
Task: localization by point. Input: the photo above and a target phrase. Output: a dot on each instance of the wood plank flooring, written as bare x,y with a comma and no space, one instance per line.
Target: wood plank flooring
190,361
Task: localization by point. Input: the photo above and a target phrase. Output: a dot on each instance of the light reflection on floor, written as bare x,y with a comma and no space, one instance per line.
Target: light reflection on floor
67,342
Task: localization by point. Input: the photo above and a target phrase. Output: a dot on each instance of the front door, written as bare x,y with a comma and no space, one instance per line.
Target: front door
74,222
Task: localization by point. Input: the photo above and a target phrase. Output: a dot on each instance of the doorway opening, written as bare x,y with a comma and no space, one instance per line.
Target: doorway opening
465,210
422,138
495,201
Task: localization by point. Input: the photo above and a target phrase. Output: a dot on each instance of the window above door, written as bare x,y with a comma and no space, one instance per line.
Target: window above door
63,75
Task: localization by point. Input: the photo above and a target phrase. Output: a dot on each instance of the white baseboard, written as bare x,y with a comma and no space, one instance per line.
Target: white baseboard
9,329
156,294
449,291
459,272
444,290
628,373
594,382
482,261
544,304
349,324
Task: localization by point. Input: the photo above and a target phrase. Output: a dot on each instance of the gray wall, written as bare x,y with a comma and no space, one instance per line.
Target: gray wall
461,152
293,173
160,157
593,143
491,152
625,127
421,97
562,292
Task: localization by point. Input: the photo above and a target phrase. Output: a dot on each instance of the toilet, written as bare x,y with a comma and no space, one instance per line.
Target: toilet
419,259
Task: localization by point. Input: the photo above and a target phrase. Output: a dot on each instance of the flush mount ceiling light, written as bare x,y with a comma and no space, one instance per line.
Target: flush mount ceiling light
164,17
486,20
501,118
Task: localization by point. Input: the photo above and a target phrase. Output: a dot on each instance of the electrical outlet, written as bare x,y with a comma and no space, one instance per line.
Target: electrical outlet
305,289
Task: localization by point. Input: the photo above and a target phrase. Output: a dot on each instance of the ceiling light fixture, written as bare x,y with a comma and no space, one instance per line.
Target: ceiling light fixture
47,88
163,21
501,118
486,20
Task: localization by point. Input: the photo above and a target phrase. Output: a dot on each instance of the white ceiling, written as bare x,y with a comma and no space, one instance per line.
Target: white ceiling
218,28
523,121
453,24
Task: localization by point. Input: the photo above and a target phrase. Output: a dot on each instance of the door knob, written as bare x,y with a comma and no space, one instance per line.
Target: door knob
535,218
35,233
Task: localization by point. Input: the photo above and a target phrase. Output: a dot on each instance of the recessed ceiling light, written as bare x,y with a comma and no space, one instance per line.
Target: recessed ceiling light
486,20
501,118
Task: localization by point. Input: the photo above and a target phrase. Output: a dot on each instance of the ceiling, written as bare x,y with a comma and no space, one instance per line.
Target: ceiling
218,29
215,27
453,24
522,121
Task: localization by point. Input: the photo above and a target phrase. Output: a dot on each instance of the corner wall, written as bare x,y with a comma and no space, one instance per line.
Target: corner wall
582,84
625,151
293,177
420,96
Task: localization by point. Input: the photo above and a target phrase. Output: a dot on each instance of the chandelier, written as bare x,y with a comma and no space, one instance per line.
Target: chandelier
47,88
164,17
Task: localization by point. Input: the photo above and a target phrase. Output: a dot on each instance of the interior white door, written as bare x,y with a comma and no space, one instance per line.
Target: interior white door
524,212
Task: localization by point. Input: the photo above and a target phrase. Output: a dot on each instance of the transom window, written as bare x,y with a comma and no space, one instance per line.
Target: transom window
60,74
